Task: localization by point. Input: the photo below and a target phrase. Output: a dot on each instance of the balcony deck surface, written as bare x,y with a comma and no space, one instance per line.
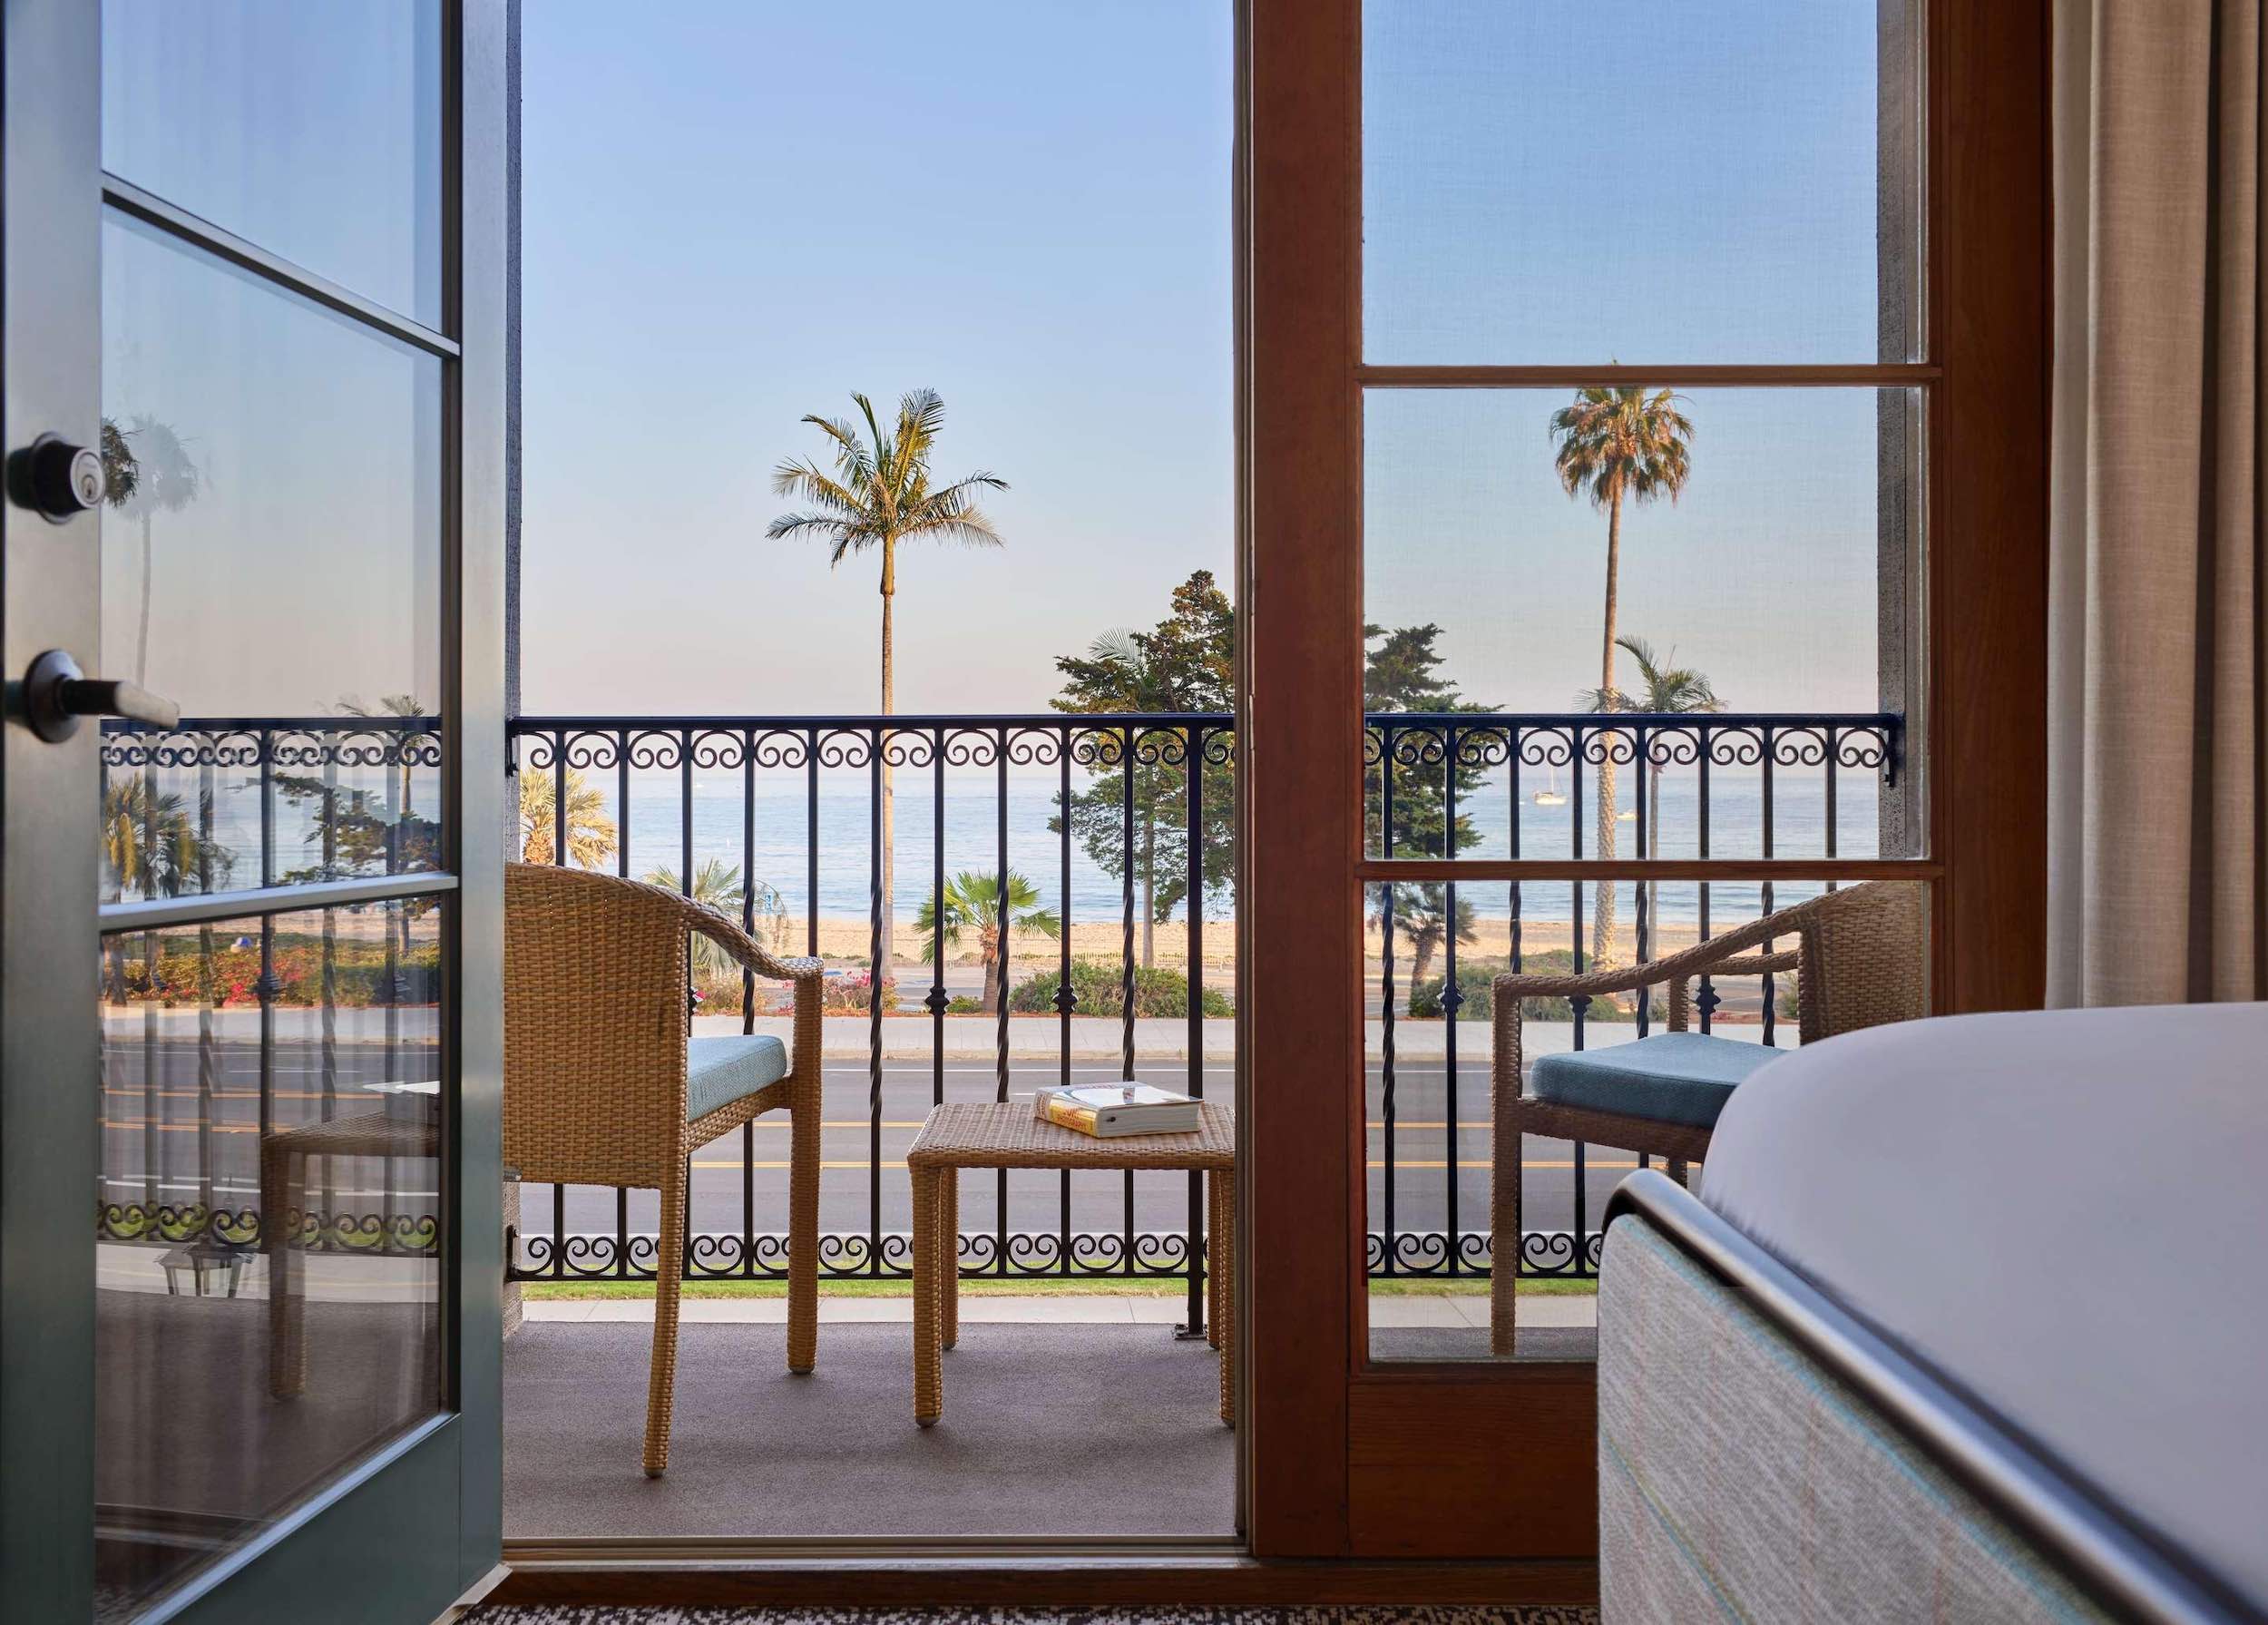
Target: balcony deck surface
1086,1429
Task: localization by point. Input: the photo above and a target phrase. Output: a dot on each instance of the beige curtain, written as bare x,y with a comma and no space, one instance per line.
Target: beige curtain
2158,566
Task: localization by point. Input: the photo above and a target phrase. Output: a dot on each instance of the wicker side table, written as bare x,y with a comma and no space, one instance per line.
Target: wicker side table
990,1134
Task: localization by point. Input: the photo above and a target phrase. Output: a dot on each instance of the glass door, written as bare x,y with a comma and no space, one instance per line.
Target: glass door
1638,550
254,416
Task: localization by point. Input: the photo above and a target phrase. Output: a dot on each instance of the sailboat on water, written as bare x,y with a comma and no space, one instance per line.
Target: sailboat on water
1550,795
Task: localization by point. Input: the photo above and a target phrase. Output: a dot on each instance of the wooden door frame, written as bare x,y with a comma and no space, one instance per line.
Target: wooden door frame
1354,1460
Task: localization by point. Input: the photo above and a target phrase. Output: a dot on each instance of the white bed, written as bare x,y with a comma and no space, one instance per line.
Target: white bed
2060,1219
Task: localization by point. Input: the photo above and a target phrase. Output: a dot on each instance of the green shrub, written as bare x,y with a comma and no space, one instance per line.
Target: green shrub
1097,983
1477,982
719,996
360,975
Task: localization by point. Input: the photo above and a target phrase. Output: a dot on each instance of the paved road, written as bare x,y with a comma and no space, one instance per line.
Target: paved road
1034,1200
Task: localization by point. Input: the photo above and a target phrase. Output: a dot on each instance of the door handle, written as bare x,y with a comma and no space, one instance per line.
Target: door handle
57,694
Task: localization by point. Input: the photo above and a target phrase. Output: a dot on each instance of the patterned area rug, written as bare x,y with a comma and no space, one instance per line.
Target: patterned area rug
554,1615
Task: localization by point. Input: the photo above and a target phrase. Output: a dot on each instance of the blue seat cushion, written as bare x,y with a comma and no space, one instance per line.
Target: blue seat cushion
1670,1078
719,1071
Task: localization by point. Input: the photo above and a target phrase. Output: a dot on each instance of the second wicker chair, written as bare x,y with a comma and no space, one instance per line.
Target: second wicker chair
602,1086
1859,960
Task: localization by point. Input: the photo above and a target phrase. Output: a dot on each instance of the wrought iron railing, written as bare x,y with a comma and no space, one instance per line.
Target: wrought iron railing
1813,761
1446,763
1061,762
1132,814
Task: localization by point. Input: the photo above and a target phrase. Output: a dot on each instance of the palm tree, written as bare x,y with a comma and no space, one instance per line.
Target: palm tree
395,705
398,705
973,899
716,884
121,472
590,839
1669,691
163,481
880,495
1421,912
153,848
1618,443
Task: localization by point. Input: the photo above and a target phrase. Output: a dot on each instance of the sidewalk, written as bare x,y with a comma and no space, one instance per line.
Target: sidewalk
294,1024
1166,1038
976,1037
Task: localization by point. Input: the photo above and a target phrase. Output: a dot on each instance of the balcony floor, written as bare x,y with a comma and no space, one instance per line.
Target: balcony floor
1084,1429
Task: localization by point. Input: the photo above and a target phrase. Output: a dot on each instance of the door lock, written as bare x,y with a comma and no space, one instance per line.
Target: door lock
57,694
57,479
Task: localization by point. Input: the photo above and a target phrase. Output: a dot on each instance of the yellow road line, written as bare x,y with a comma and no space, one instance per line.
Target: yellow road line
771,1124
1594,1163
1590,1162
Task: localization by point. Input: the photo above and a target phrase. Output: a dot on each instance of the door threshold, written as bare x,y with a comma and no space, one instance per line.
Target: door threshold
614,1551
1029,1571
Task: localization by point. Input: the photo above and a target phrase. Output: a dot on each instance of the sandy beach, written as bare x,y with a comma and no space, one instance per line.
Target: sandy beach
846,942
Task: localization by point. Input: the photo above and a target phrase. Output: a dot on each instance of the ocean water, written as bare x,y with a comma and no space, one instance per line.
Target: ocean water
774,844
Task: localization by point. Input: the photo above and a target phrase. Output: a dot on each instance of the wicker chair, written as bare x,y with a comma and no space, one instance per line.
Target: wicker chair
602,1087
1859,960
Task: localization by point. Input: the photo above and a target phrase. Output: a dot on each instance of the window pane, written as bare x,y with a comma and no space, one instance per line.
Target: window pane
278,556
1773,597
312,130
1655,181
268,1254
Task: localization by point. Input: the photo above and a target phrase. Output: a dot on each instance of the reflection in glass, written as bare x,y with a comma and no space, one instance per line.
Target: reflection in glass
269,1253
314,132
1655,181
272,551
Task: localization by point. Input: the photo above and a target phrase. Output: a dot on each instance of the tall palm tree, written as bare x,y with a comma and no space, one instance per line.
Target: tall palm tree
590,838
879,495
973,899
1618,443
165,481
1666,691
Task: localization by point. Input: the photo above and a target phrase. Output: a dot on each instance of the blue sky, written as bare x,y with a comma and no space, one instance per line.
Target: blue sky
738,213
735,214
